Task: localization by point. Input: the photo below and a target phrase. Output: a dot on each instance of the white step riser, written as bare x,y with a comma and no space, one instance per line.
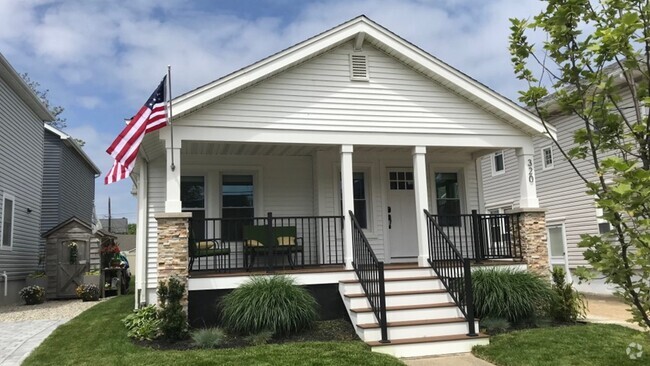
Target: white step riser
411,272
416,331
395,286
431,348
405,315
427,298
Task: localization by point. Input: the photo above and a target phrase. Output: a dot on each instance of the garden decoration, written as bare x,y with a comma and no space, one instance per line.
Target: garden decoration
74,252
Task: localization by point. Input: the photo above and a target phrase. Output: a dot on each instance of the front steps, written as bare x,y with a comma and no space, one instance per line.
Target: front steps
422,318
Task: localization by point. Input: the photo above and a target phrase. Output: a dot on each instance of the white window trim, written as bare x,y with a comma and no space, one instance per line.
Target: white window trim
552,165
503,157
12,198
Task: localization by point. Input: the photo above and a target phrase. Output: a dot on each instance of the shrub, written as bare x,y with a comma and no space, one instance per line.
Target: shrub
495,325
173,320
208,338
268,303
143,323
517,296
32,295
567,304
260,338
88,292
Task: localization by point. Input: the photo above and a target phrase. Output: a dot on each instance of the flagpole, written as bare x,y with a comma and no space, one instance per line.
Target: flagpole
169,117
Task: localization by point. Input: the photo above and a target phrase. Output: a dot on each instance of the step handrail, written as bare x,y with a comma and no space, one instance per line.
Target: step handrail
370,272
452,269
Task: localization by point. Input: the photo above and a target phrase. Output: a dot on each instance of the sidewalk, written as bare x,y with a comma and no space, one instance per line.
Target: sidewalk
609,310
464,359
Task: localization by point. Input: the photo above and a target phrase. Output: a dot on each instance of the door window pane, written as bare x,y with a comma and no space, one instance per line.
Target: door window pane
448,199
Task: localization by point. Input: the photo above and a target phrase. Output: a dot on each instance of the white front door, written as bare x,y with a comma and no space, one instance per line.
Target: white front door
401,215
557,248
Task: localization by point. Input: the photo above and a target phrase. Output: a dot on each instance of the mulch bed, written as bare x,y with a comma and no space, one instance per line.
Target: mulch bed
323,331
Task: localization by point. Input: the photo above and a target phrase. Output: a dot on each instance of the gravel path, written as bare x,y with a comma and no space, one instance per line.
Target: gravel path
50,310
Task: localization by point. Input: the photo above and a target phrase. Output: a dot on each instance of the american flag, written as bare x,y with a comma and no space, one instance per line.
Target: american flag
152,116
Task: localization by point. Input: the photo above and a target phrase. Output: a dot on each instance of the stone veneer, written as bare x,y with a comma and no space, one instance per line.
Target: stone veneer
531,224
173,230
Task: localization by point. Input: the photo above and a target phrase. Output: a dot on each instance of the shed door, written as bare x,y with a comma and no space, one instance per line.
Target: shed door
70,269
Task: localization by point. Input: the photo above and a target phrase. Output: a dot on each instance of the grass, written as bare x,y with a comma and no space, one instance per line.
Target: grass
98,337
592,344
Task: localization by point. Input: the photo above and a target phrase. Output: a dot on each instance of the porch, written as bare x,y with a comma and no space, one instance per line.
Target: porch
227,247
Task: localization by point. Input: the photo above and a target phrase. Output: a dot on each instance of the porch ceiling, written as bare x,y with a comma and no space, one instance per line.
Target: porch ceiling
216,148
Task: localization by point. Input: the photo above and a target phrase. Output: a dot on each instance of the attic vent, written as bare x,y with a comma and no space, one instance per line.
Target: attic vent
358,66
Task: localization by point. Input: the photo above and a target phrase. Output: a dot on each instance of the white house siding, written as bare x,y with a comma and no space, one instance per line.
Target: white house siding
155,204
318,95
21,174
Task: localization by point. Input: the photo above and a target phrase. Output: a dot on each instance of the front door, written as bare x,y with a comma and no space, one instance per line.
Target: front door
401,215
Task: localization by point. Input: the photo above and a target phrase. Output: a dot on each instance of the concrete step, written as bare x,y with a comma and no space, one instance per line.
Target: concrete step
429,346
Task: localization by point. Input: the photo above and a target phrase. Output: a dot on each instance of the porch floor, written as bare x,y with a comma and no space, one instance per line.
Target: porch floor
340,268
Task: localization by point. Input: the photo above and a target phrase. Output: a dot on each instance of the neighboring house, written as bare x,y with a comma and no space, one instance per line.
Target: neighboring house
570,211
116,226
68,180
21,180
354,119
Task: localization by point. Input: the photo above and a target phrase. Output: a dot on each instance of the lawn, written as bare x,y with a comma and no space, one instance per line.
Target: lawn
593,344
97,337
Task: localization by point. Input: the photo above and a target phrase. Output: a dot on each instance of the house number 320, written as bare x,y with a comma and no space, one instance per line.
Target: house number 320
531,177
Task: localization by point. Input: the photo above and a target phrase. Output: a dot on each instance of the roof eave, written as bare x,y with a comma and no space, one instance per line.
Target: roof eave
18,85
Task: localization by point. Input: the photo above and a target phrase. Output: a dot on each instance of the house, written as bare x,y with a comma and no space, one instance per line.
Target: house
116,226
68,180
570,211
348,152
21,180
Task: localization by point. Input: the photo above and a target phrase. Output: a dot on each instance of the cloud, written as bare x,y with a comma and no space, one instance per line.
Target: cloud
106,60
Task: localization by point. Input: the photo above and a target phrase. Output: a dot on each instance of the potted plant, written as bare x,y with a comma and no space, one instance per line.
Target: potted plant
32,295
73,252
88,292
91,277
109,252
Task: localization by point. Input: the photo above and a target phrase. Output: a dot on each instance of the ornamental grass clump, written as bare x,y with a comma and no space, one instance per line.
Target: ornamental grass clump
273,304
208,338
517,296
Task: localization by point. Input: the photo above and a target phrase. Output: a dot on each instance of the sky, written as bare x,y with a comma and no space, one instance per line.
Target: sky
101,60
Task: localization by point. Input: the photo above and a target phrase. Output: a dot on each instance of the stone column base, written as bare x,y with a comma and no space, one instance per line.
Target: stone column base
529,225
173,233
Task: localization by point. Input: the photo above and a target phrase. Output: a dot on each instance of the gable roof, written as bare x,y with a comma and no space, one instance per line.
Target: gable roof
75,219
69,141
366,30
18,85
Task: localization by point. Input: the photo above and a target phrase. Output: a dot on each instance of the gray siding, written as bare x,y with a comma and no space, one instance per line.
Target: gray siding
68,184
21,174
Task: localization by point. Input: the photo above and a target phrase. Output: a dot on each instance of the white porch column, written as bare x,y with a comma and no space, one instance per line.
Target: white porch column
347,198
173,194
421,201
527,184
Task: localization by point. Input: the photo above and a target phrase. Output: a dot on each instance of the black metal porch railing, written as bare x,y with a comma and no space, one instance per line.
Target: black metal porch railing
265,243
370,272
482,236
452,269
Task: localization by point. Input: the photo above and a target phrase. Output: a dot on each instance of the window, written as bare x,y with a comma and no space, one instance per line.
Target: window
448,199
359,192
6,239
193,199
360,201
401,181
603,225
498,165
236,203
547,158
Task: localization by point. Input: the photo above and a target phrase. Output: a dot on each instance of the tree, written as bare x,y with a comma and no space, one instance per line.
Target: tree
131,228
594,55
